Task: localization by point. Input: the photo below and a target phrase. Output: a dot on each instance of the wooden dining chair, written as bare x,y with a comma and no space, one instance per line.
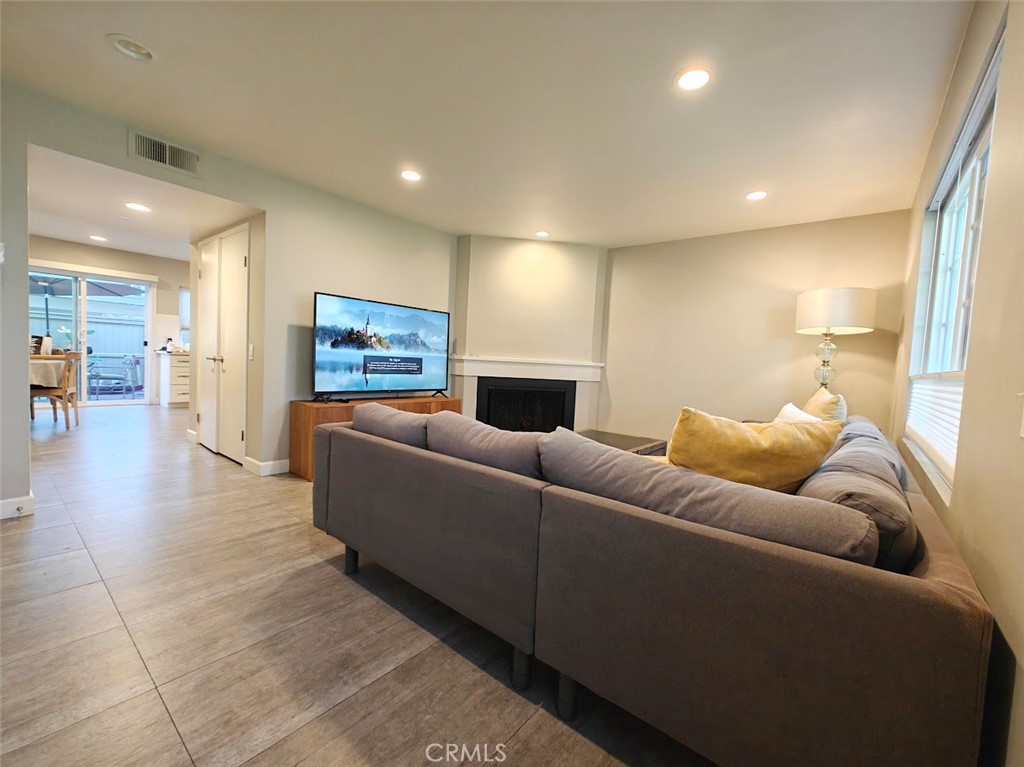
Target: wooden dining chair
67,394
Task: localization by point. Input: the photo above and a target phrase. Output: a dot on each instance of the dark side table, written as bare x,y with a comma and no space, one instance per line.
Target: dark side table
638,445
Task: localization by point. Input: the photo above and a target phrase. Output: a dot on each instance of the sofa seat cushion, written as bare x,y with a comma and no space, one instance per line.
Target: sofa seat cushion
461,437
572,461
396,425
860,475
776,455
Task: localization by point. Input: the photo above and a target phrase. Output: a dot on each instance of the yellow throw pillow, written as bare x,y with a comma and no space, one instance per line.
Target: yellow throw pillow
778,456
826,406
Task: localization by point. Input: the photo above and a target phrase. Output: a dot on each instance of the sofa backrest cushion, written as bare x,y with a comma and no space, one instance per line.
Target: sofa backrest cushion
396,425
860,475
775,455
461,437
572,461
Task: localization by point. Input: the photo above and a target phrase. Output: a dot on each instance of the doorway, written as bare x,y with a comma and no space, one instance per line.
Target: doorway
107,318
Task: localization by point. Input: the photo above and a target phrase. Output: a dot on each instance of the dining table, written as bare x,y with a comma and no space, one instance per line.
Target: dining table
44,370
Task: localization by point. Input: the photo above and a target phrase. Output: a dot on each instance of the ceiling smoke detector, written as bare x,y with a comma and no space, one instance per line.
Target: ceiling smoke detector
129,46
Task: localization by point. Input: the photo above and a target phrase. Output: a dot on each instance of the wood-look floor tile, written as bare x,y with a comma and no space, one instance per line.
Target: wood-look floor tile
174,642
160,521
46,516
136,733
39,577
231,710
108,514
190,540
449,693
57,619
46,692
603,735
36,544
148,591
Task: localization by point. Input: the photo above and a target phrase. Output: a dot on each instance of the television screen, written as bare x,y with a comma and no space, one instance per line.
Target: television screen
369,346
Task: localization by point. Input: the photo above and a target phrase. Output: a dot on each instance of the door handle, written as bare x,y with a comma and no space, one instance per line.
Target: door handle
215,359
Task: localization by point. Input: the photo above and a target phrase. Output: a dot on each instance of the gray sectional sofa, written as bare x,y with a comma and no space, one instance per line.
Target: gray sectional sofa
756,628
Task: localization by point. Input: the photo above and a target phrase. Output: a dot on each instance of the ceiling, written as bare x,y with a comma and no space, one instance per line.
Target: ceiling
70,199
523,116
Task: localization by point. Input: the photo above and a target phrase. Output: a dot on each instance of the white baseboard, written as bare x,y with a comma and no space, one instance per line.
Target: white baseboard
265,468
192,436
17,507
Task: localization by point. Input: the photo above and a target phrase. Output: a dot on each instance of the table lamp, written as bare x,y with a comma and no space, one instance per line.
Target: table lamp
834,312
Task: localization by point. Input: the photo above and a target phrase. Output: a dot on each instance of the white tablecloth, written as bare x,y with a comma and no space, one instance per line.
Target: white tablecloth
45,373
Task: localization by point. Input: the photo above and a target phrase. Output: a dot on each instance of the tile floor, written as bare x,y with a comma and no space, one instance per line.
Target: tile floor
165,607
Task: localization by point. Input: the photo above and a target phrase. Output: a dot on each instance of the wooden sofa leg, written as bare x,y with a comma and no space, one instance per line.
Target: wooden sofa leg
567,689
522,664
351,561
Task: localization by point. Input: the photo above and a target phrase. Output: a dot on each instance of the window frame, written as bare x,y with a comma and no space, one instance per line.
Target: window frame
943,361
955,361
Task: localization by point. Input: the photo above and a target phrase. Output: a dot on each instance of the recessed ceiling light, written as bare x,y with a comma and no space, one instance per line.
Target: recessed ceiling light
97,238
542,233
129,46
411,175
757,195
692,79
137,206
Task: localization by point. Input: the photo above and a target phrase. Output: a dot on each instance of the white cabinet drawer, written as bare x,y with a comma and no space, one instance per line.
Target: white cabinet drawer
179,376
178,394
179,361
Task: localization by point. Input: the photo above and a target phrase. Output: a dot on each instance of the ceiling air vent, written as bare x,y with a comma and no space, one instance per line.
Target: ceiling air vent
157,150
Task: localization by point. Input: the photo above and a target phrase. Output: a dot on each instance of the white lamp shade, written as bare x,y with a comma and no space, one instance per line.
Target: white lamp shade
839,311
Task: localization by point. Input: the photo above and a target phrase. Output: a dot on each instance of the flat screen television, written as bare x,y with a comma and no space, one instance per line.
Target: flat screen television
362,346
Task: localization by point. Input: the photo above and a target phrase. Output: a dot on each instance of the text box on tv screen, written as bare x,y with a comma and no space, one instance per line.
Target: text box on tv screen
402,366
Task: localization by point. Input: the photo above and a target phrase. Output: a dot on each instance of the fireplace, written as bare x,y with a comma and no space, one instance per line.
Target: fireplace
526,404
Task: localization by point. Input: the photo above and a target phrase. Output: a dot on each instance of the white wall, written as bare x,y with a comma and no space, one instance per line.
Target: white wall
531,302
709,322
530,299
986,512
313,241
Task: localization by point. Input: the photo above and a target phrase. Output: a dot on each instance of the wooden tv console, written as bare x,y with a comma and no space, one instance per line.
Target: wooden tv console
306,416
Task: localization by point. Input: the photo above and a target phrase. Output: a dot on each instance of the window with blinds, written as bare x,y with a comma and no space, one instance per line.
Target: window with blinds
939,359
933,418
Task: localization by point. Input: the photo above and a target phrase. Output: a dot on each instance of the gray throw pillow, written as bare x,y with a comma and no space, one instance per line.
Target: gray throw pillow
396,425
572,461
860,475
857,426
461,437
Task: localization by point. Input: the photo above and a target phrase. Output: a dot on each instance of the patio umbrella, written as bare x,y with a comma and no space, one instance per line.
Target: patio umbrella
56,285
47,285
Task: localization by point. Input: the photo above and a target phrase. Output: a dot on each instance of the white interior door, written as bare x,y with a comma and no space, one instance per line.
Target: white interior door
208,337
234,292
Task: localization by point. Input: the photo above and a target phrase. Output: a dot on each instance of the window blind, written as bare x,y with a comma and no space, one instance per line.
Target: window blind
933,418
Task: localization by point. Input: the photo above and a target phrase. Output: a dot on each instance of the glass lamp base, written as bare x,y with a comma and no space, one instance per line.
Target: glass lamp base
825,375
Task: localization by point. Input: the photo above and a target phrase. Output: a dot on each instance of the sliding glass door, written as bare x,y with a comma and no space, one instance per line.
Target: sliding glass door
103,317
115,321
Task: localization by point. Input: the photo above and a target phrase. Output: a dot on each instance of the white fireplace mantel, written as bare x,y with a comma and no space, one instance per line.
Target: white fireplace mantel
472,366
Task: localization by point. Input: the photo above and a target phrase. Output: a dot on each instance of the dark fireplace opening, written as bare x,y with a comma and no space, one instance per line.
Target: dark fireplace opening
526,404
